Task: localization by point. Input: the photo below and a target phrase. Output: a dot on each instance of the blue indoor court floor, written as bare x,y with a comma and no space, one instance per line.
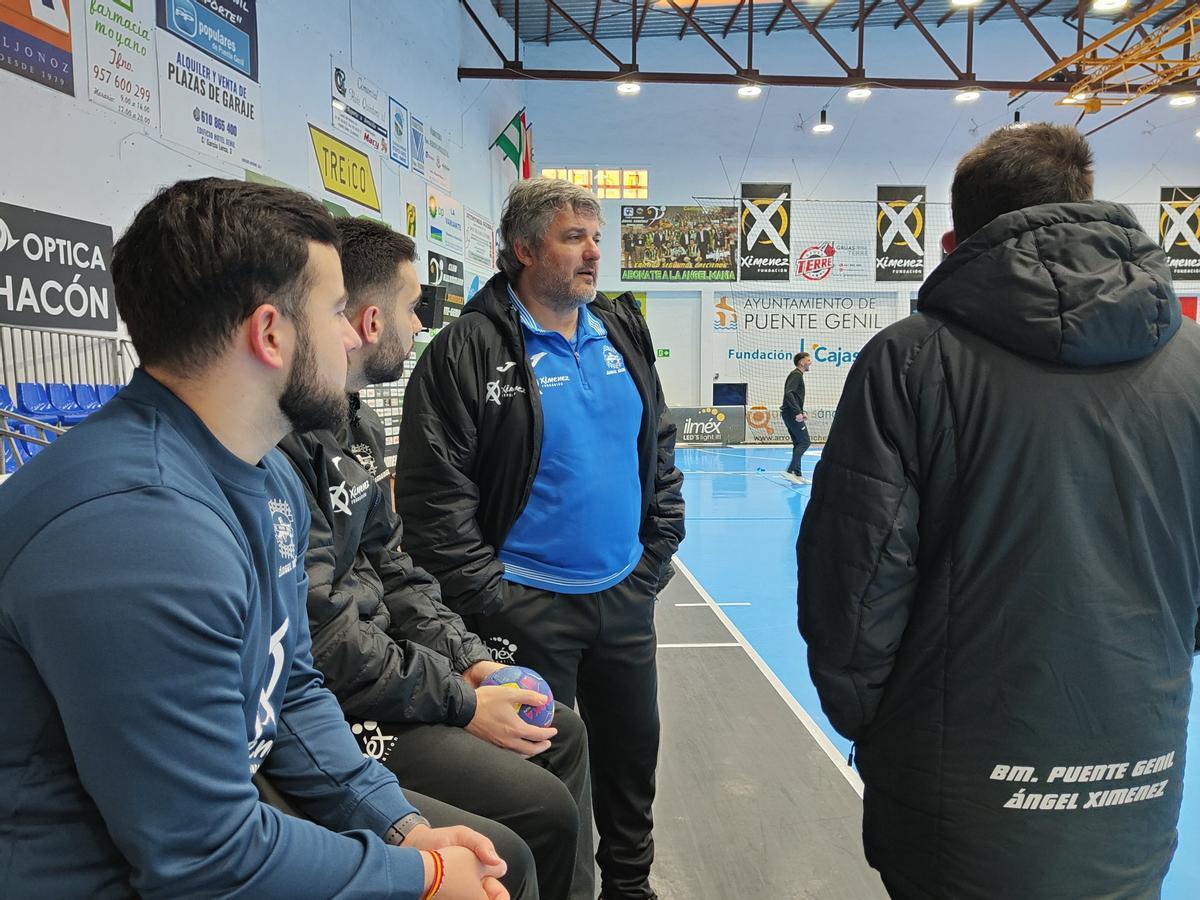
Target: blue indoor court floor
742,520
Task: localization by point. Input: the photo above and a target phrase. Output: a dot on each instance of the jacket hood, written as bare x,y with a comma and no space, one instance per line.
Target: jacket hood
1079,284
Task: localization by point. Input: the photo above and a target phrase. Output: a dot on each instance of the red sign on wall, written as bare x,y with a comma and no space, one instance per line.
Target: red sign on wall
1189,306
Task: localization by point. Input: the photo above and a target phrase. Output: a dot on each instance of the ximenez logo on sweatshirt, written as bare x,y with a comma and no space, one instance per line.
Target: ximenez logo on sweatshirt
284,524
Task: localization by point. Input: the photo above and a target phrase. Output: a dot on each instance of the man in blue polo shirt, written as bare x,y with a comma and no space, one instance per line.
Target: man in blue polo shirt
537,476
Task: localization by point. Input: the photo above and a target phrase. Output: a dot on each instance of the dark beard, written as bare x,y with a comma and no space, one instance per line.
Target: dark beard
304,403
387,365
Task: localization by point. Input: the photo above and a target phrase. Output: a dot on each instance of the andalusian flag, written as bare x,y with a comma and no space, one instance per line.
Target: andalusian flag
516,143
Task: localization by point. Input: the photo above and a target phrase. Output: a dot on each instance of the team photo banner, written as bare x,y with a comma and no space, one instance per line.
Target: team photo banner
677,243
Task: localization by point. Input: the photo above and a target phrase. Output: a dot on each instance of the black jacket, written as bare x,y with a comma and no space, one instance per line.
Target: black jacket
466,463
387,646
1000,564
793,394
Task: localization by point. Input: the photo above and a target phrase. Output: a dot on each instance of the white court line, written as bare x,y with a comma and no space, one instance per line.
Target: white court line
812,727
677,646
719,604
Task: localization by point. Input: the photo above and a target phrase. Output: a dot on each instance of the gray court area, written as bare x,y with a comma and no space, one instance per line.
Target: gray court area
749,805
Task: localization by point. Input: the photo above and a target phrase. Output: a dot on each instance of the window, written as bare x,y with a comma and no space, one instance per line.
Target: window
607,184
637,184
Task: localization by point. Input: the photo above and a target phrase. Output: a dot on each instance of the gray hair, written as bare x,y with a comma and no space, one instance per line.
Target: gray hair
528,211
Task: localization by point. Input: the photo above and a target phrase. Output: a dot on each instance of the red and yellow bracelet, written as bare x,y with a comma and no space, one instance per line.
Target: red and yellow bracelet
439,875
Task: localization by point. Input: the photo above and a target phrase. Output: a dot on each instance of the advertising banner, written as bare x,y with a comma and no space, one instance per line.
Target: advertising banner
55,272
398,142
122,48
711,425
360,109
764,226
35,42
448,273
678,243
900,233
480,241
437,159
1179,231
209,97
756,334
445,222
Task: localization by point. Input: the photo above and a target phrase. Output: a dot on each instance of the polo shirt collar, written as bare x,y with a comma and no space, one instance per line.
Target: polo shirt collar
590,325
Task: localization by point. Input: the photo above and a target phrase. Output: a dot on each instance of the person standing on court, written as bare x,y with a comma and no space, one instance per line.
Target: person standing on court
153,647
536,476
999,568
794,416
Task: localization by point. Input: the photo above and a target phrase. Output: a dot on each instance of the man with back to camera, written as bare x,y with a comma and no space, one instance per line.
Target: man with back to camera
1000,564
150,674
404,667
536,475
794,416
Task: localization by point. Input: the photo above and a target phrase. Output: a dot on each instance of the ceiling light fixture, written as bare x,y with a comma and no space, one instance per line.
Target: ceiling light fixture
962,4
749,90
1103,6
967,95
859,93
1183,100
823,126
629,88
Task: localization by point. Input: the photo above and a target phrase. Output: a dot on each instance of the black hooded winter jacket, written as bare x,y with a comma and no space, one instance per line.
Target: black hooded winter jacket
999,569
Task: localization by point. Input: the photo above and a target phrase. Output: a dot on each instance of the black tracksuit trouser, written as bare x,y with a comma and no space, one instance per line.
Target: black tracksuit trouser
600,649
800,441
544,800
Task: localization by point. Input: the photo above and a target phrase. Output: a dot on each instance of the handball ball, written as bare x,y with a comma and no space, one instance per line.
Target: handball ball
521,678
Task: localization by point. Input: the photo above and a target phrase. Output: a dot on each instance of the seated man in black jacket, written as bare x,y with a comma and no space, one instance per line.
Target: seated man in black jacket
403,666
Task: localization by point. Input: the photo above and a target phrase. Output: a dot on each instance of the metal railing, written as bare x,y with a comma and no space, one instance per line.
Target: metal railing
9,437
43,355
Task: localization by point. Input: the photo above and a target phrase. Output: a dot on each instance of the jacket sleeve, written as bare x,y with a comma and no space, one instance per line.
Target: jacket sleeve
436,496
146,672
663,529
858,541
792,402
373,674
414,599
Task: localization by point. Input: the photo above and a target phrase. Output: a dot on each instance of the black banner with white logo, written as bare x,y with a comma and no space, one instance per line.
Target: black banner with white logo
55,271
764,239
900,233
709,424
447,272
1179,231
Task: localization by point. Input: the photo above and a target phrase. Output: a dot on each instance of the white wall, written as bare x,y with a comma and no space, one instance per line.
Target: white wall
70,156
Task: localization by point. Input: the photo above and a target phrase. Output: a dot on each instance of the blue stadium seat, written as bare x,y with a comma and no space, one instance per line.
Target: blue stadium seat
62,401
33,402
107,391
32,449
6,400
86,397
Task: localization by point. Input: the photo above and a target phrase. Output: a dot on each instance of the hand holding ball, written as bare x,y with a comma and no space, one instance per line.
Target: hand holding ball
521,678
